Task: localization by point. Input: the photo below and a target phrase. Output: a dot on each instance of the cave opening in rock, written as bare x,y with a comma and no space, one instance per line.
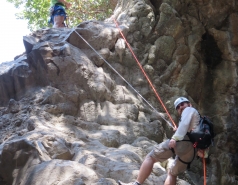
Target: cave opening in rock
212,57
211,51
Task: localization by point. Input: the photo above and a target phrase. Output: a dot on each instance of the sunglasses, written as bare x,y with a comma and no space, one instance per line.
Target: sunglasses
180,105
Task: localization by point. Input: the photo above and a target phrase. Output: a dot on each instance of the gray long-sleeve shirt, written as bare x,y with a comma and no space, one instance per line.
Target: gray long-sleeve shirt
189,121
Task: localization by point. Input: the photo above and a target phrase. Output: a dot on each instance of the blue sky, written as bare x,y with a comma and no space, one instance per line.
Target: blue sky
12,31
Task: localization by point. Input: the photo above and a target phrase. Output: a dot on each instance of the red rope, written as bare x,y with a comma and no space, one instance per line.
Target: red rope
146,76
204,167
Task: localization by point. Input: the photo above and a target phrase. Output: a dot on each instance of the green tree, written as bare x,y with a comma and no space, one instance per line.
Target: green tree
37,11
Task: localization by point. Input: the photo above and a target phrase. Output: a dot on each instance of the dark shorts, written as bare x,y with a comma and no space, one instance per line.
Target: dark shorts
58,11
184,150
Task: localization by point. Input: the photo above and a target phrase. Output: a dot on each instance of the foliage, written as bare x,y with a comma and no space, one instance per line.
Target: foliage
37,11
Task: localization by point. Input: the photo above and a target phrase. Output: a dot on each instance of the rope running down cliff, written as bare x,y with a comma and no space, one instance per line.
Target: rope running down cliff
74,30
144,73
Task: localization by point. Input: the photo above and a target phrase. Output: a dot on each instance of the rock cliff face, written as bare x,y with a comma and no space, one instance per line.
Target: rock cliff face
67,117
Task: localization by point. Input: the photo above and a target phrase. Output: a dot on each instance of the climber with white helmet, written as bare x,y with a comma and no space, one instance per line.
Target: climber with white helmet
57,13
177,145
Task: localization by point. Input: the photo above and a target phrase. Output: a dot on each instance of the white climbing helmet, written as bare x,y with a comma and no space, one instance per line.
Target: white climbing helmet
180,100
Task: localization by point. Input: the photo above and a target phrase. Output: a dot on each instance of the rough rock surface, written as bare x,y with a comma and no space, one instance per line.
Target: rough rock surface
67,117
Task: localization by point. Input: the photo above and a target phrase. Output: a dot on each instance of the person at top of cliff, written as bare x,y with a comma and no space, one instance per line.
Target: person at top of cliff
178,144
57,13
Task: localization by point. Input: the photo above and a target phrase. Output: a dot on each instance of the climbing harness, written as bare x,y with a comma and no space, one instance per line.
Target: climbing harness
74,30
146,76
188,163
